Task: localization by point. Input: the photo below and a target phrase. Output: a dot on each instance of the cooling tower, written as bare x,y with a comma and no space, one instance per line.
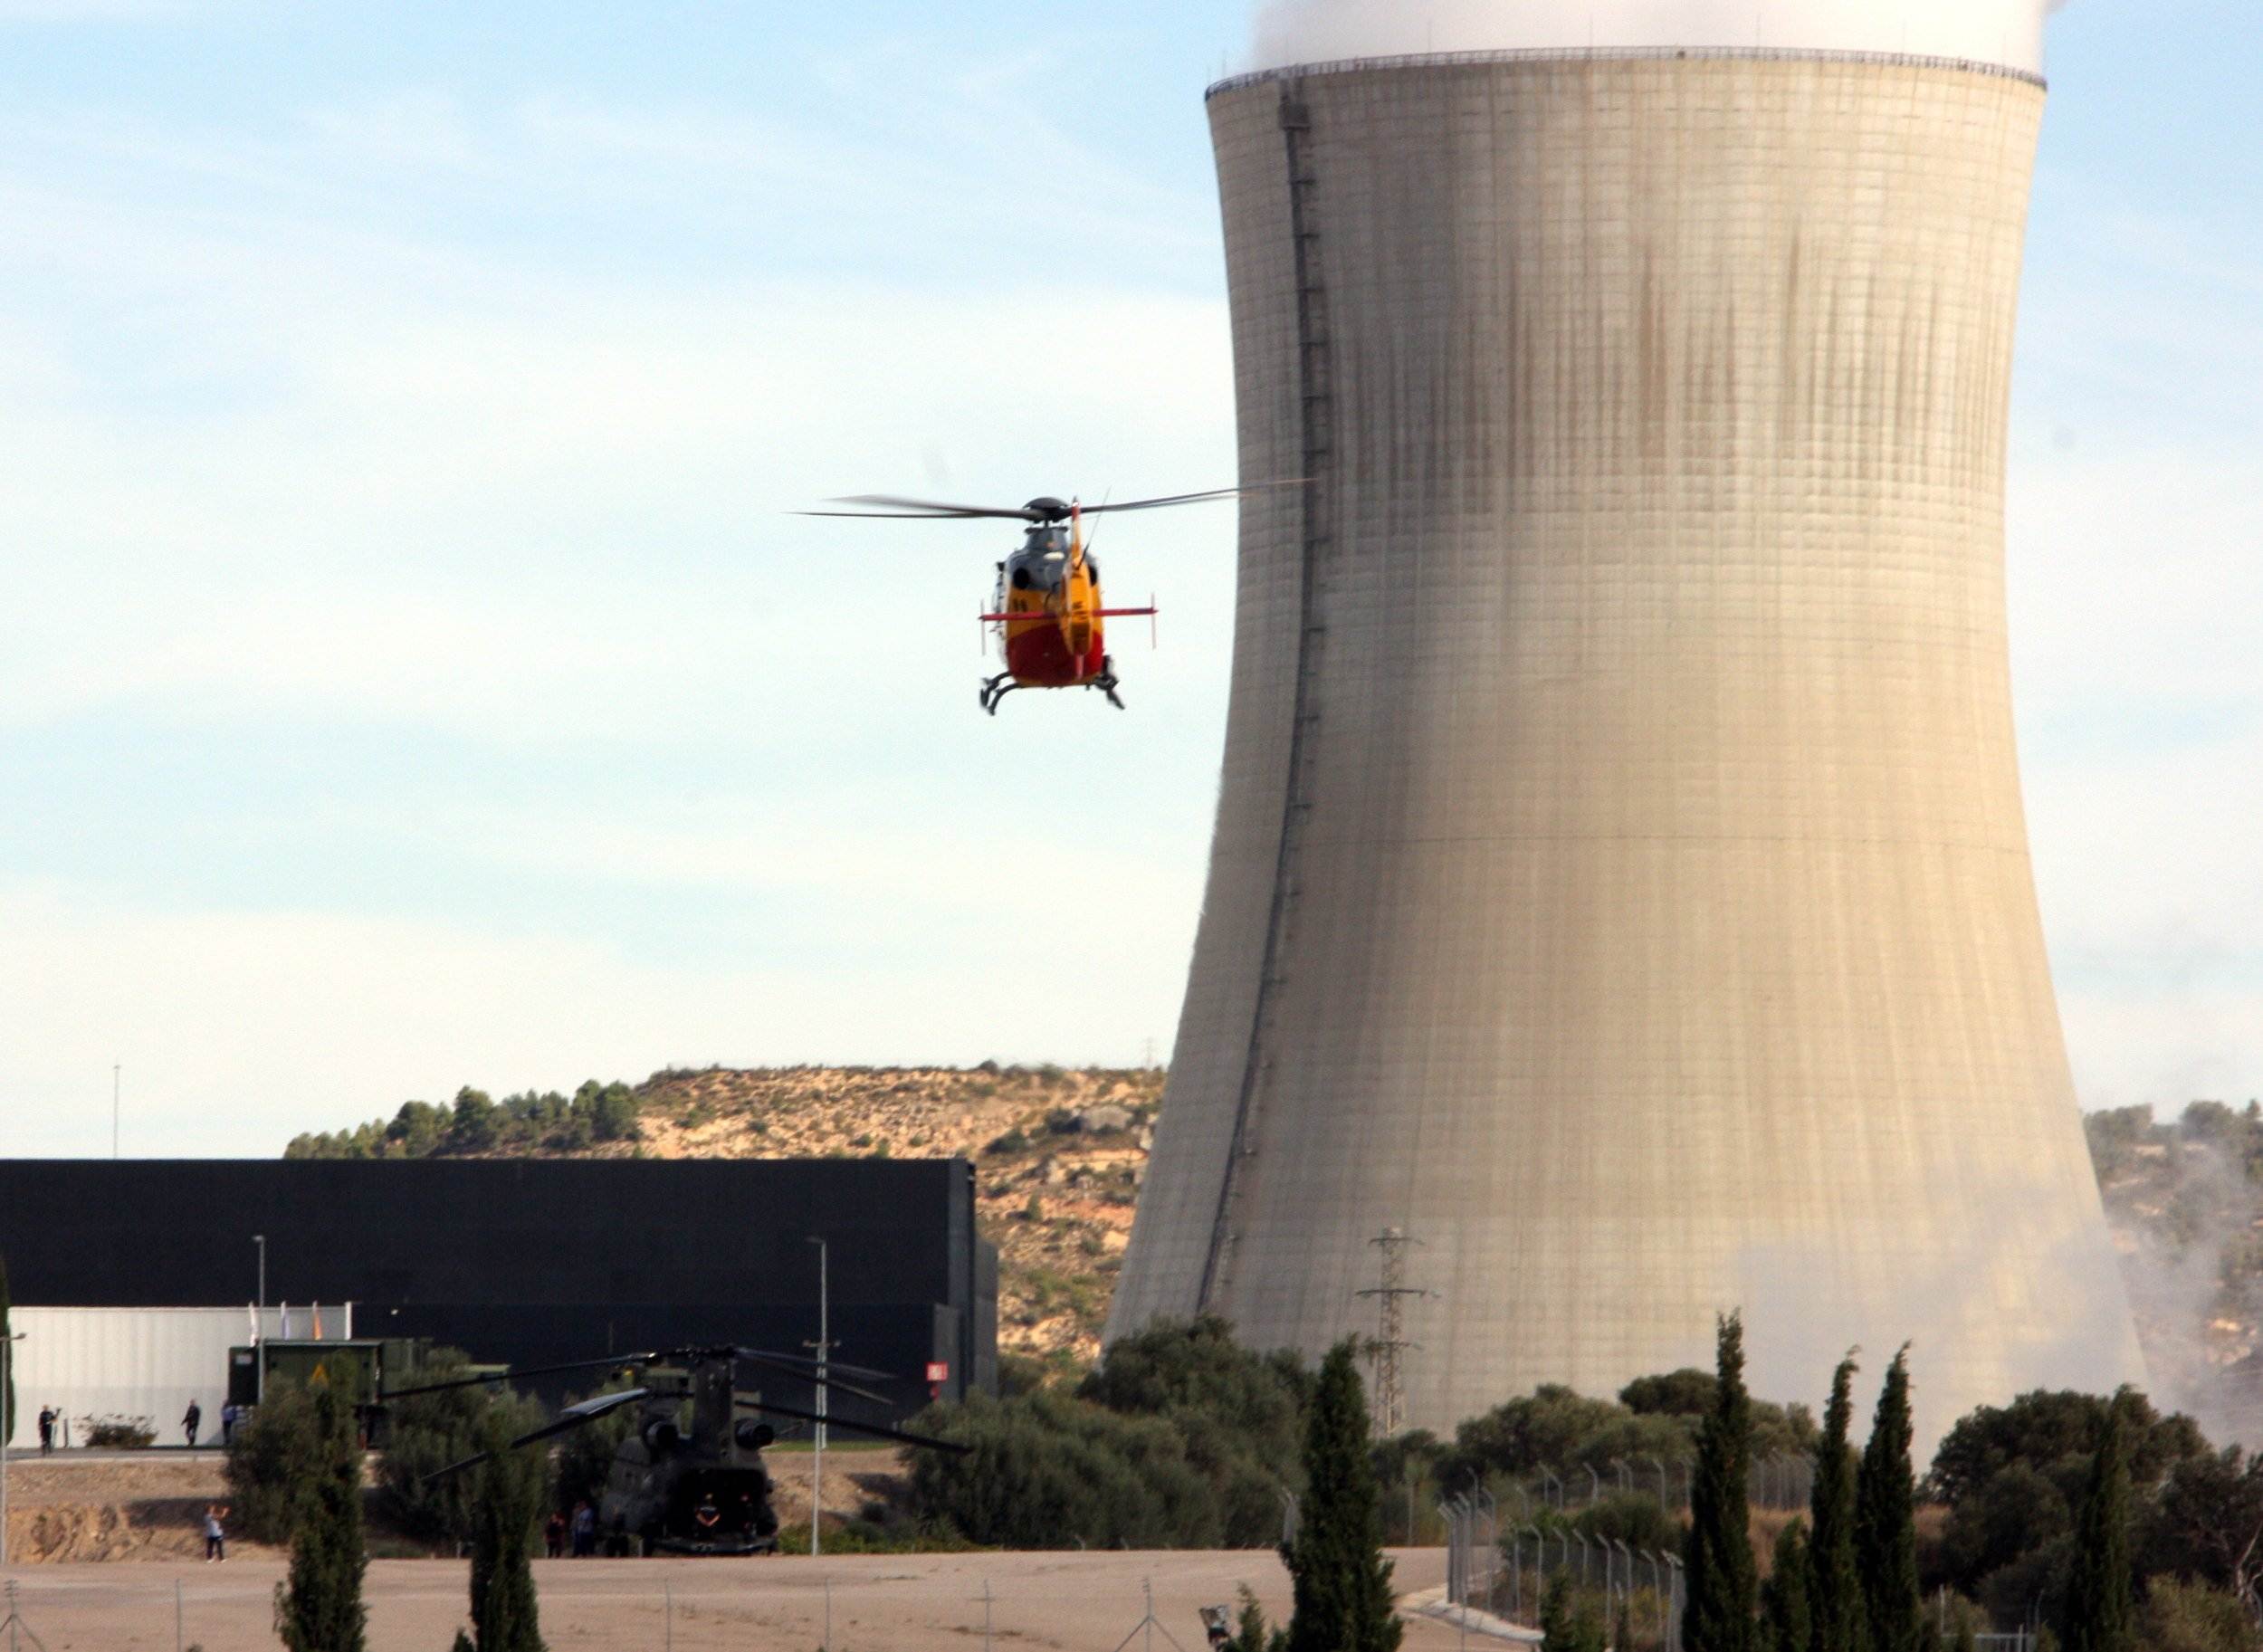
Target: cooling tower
1621,881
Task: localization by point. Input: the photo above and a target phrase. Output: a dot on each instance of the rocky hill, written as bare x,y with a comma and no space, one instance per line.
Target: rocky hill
1058,1154
2185,1200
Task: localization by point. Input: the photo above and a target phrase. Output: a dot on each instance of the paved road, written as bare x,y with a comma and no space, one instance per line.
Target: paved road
879,1603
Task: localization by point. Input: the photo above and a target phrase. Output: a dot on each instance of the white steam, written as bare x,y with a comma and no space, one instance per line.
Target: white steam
2006,32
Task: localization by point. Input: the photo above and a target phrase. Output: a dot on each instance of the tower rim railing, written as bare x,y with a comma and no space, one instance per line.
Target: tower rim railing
1599,54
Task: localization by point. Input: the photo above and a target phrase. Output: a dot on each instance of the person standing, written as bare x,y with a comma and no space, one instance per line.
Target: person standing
554,1535
215,1534
585,1530
191,1420
227,1424
47,1431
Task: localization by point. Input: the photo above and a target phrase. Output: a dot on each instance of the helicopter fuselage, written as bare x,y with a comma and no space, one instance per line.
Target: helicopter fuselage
704,1492
1055,634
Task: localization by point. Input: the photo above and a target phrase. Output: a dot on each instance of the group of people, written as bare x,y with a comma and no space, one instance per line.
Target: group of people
231,1414
192,1425
580,1531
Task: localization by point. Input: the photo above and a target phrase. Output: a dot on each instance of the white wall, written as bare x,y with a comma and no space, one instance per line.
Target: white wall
138,1363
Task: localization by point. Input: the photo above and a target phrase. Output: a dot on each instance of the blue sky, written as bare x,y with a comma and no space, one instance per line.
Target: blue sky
411,678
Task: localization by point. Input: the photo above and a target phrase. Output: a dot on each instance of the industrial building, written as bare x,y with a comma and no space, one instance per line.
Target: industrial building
1620,883
532,1262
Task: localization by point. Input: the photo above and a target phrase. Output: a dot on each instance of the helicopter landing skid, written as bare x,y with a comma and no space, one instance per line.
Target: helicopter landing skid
1108,682
995,689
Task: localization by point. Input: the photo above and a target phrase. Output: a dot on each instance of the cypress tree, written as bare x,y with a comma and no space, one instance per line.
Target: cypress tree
507,1503
1558,1632
1835,1609
1718,1551
7,1393
2100,1615
318,1606
1343,1595
1786,1604
1885,1522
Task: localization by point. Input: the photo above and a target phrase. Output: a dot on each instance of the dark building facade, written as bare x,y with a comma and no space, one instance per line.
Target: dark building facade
538,1262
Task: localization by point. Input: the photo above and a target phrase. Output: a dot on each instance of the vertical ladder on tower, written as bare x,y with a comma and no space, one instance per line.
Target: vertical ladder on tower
1316,390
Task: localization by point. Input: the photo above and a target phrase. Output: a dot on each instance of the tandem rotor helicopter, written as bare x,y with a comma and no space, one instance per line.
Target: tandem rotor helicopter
701,1491
1048,609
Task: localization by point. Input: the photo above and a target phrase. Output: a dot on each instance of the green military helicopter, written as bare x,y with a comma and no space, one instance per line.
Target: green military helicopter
698,1491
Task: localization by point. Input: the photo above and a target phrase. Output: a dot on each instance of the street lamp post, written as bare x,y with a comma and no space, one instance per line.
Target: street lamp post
825,1348
259,1331
7,1373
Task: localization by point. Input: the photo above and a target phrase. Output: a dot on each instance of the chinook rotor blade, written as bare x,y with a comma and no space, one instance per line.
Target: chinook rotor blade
810,1365
830,1381
888,507
565,1422
874,1429
518,1372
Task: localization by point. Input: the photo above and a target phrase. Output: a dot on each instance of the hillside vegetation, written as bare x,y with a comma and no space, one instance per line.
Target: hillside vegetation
1058,1154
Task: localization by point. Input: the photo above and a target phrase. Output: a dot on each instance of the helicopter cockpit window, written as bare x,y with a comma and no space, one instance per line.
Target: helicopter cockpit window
1045,571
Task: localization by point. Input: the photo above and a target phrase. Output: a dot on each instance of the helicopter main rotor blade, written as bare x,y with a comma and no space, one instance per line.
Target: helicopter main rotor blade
874,1429
830,1381
565,1422
889,507
518,1372
807,1363
1188,499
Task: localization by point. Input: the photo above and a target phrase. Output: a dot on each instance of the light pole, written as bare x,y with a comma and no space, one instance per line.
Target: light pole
823,1346
7,1375
258,1328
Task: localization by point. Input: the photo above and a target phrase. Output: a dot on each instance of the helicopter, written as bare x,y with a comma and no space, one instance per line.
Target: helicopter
1047,609
704,1492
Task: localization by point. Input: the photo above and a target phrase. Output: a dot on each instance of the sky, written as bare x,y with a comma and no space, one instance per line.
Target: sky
411,677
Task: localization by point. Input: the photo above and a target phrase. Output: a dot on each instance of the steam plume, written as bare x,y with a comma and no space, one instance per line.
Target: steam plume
2007,32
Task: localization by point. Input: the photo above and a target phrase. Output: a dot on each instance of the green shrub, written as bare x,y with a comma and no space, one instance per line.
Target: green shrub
1180,1439
275,1457
429,1432
119,1433
2181,1617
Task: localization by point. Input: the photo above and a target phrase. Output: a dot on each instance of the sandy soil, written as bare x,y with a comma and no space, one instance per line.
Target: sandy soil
130,1506
140,1506
887,1603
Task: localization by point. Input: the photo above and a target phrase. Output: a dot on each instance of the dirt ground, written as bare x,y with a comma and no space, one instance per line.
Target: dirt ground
149,1507
130,1506
880,1603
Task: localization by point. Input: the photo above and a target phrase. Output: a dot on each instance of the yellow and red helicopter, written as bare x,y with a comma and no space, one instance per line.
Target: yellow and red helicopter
1048,610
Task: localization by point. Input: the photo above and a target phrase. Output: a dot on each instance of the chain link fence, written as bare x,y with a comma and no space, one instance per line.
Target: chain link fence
1507,1572
987,1603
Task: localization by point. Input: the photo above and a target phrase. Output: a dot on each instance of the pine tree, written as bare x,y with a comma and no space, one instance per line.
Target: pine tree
318,1606
2100,1615
1343,1595
1837,1611
1885,1522
507,1503
1718,1550
1785,1599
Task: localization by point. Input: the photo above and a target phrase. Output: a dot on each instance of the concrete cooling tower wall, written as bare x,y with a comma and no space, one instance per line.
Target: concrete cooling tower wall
1620,881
